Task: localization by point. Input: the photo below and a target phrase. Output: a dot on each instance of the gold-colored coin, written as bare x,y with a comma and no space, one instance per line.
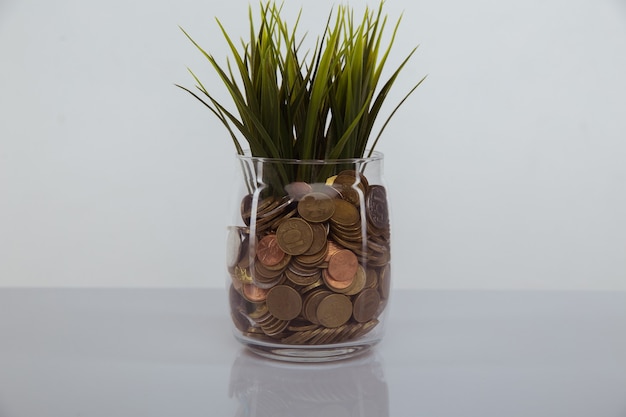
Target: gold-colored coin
302,280
334,310
311,303
274,327
353,178
303,270
365,305
352,187
260,313
276,224
317,284
301,327
263,274
295,236
320,233
312,260
358,284
323,336
284,302
371,276
243,275
300,338
355,246
247,206
365,328
316,207
384,282
346,214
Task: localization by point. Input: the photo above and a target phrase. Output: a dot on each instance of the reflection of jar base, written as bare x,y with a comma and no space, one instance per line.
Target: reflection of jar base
307,353
352,388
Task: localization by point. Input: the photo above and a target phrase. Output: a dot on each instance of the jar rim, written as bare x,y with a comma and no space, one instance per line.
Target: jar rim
376,156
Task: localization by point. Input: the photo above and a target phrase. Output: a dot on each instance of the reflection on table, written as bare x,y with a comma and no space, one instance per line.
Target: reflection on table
353,388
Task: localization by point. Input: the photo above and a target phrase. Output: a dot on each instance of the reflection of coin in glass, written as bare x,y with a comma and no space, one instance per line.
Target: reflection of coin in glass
268,251
295,236
233,246
316,207
325,189
343,265
377,210
366,305
284,302
298,189
334,310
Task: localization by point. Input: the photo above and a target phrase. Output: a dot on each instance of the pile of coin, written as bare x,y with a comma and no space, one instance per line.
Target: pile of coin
311,266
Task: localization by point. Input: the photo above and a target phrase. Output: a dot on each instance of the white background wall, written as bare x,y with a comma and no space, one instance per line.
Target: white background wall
506,169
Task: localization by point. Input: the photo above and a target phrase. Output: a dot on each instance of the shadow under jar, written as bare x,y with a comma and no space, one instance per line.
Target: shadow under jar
308,257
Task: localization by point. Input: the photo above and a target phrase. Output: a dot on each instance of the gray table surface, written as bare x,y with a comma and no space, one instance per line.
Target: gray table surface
169,352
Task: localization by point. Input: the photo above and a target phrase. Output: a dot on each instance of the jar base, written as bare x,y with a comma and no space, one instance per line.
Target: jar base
307,353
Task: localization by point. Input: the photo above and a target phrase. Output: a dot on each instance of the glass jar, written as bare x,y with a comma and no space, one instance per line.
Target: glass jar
308,256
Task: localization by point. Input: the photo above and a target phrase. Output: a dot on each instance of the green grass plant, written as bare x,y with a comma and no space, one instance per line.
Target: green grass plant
305,105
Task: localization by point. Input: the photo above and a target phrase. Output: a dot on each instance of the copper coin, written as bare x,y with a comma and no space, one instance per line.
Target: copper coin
337,286
284,302
268,252
316,207
295,236
253,293
346,214
366,305
377,210
342,266
333,248
334,310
